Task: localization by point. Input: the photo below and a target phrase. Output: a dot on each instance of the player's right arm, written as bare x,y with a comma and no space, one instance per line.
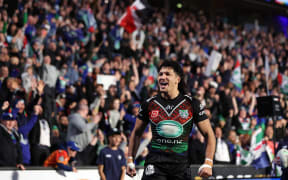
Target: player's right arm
134,143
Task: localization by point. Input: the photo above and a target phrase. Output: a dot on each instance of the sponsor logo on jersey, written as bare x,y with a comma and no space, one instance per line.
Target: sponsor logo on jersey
169,141
183,113
149,170
154,113
169,129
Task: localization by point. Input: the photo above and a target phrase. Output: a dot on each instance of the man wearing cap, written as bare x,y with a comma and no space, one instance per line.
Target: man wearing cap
111,161
10,151
63,158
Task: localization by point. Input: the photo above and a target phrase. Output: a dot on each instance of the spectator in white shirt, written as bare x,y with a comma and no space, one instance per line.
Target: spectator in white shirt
222,154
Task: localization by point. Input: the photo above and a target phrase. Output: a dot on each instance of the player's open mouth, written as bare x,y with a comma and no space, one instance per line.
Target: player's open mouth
163,85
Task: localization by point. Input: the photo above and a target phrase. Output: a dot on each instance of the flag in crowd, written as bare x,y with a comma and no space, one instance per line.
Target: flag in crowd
135,15
213,63
243,157
236,76
267,72
270,150
258,149
283,82
260,154
88,18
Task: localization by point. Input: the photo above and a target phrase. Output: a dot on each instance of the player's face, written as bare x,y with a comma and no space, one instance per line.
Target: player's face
168,80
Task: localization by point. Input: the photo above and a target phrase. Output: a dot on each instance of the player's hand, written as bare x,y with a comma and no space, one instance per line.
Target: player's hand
74,169
205,171
131,171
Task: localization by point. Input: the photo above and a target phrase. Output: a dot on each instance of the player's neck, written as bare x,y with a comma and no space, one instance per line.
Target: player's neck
113,147
171,95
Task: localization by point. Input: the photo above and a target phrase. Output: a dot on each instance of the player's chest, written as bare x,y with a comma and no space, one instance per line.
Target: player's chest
181,112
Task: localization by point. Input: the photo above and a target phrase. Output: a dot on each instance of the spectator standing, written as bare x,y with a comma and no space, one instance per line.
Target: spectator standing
79,130
29,79
49,76
10,152
25,125
4,73
130,120
197,149
232,142
222,153
227,109
63,123
115,117
111,161
11,90
40,140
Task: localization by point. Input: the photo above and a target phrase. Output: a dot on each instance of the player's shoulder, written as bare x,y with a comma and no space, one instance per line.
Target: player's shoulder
190,98
151,99
193,100
187,96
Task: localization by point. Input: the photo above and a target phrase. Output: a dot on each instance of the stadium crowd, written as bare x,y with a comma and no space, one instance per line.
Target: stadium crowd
53,53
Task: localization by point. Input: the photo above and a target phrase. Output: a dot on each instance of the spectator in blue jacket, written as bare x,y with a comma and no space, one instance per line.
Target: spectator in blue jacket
25,125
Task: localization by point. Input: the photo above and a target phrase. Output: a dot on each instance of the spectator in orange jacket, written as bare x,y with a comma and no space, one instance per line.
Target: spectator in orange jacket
63,158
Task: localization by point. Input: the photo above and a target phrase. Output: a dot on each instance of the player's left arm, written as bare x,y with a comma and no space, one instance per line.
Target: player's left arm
207,131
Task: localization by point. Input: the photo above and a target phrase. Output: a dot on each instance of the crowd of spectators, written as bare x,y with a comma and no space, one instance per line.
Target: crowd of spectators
51,53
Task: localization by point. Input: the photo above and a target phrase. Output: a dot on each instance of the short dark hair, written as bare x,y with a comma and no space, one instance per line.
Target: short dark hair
179,71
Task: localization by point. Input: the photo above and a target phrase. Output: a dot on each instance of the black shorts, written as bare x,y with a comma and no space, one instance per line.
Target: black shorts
166,171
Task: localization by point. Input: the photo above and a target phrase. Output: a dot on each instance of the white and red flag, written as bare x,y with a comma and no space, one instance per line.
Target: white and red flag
135,15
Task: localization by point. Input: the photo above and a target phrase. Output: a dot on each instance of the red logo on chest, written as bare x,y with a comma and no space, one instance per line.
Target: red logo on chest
154,113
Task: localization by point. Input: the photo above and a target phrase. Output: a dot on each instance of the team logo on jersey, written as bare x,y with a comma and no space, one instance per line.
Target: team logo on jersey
149,170
169,129
183,113
154,113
